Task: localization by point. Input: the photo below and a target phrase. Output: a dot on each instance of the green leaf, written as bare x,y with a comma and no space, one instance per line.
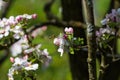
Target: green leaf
71,50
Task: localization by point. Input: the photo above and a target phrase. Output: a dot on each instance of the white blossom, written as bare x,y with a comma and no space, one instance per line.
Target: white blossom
19,46
60,42
21,64
32,67
60,49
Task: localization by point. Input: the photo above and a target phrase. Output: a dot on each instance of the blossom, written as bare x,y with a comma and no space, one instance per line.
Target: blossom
60,42
16,48
34,16
114,16
104,21
45,57
32,67
12,59
14,25
4,31
10,74
104,31
69,30
37,48
57,41
39,31
19,18
19,46
61,47
21,64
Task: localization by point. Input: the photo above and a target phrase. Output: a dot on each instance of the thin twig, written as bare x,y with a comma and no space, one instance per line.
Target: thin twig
113,55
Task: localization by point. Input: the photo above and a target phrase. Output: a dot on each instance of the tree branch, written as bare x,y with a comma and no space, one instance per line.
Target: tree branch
91,39
5,56
47,9
6,8
58,24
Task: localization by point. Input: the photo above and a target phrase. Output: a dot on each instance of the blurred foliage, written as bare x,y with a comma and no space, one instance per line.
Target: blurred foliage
101,7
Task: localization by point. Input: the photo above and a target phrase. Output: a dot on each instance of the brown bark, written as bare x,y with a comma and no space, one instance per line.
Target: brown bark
72,11
91,39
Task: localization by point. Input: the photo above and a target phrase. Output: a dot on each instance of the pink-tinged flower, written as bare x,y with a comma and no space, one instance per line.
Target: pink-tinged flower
12,59
39,31
19,18
26,16
57,41
19,46
34,16
4,31
21,63
103,31
2,24
60,41
45,58
25,57
16,48
69,30
44,28
65,36
45,52
12,21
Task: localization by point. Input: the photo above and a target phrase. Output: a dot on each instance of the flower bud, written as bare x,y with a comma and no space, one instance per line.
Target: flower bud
12,59
19,18
34,16
69,30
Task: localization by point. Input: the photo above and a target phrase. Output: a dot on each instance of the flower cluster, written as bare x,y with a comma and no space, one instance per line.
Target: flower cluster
60,41
13,25
67,42
110,28
105,33
111,23
113,17
25,55
20,64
